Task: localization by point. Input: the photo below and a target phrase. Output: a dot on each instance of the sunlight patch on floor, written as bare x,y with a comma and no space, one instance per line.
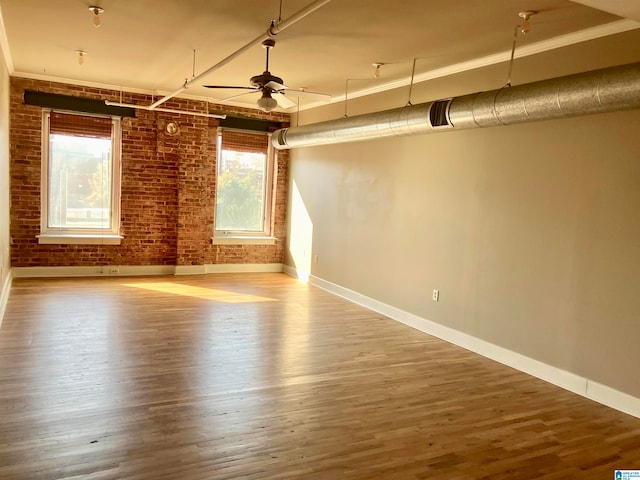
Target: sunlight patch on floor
199,292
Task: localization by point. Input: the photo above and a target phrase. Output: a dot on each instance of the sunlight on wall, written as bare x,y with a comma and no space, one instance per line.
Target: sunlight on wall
300,235
199,292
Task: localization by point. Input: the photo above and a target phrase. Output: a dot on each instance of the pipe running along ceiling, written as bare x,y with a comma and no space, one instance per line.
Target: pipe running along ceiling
597,91
272,31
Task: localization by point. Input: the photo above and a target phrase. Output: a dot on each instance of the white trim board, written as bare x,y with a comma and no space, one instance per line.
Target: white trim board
4,294
143,270
93,271
245,268
229,268
569,381
189,270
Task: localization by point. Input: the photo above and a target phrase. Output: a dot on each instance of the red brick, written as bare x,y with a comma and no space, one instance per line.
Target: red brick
168,187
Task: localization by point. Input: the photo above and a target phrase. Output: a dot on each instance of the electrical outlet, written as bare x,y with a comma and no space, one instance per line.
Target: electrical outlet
315,259
436,295
114,270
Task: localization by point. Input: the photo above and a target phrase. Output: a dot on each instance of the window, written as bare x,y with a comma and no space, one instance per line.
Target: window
243,188
80,178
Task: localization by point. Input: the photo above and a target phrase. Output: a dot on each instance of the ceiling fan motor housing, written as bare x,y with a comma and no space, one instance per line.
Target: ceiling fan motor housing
266,77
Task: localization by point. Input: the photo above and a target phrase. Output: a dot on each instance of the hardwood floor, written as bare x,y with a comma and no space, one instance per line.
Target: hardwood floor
258,376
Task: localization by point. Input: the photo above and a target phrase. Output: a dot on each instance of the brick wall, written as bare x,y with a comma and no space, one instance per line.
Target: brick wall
168,187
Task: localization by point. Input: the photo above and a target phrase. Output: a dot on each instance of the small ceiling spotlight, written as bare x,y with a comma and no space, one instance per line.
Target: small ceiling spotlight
376,72
81,54
96,14
526,24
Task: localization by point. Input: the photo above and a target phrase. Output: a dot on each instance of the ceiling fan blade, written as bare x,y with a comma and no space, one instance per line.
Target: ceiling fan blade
283,101
254,90
228,86
275,86
321,96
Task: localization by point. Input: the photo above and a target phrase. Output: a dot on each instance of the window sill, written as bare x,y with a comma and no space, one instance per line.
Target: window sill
240,240
79,239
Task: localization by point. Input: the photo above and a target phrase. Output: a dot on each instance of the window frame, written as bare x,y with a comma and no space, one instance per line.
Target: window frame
235,237
66,235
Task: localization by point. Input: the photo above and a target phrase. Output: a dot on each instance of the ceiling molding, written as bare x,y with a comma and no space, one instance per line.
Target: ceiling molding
82,83
621,8
561,41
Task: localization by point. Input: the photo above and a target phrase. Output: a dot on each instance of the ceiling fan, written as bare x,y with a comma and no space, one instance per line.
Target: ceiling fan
268,85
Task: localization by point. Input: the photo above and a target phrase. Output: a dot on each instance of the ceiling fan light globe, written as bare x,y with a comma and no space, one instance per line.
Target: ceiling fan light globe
267,103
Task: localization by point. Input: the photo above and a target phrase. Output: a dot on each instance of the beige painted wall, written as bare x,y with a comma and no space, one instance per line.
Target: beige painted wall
4,180
530,232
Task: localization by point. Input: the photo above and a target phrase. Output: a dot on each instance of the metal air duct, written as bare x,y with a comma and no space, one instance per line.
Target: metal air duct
598,91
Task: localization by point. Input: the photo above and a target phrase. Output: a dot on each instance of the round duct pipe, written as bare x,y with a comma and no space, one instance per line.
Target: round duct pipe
598,91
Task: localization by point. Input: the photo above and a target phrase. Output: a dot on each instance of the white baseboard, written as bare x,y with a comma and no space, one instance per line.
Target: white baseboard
244,268
143,270
613,398
562,378
96,271
189,270
4,294
301,275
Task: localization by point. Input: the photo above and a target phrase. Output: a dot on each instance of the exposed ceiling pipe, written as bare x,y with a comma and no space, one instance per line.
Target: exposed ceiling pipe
271,32
598,91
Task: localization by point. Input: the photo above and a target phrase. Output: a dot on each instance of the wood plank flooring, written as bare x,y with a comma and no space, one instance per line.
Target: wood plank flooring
258,376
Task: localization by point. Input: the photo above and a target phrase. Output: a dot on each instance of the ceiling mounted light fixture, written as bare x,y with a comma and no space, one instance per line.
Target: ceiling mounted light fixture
376,72
526,24
81,54
267,102
96,14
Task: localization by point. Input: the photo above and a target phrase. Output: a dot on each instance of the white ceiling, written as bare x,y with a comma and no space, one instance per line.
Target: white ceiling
148,45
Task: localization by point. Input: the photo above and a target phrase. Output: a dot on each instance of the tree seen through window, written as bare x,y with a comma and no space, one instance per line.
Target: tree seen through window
241,191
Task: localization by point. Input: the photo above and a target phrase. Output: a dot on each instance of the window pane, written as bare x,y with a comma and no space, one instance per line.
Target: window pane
241,191
79,182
